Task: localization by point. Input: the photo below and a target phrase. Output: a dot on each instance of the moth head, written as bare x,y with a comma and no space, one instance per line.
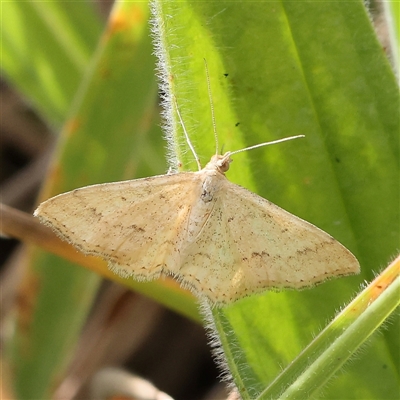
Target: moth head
220,162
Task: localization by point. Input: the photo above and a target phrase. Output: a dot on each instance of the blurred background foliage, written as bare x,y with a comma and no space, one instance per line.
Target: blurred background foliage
276,69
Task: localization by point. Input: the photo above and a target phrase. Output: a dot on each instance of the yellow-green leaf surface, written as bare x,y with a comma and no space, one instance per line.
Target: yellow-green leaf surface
46,46
280,69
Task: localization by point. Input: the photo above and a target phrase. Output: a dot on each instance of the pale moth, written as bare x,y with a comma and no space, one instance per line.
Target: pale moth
216,238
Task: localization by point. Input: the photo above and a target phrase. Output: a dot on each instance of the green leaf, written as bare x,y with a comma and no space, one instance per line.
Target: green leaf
279,69
46,47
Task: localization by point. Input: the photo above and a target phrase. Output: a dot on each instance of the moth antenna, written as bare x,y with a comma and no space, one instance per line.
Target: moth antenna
211,107
196,157
266,144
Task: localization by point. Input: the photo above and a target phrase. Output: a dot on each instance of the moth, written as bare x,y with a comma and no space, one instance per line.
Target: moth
215,237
